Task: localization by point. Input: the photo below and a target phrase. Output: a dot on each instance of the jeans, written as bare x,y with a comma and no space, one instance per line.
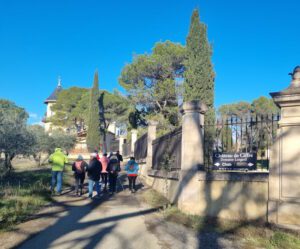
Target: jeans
56,179
79,180
91,187
104,177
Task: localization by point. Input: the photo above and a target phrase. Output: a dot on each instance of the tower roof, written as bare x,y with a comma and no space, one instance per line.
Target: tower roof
53,97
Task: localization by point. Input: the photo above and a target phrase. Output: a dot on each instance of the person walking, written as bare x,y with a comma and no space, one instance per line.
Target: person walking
58,160
132,169
120,157
94,170
79,167
113,171
104,174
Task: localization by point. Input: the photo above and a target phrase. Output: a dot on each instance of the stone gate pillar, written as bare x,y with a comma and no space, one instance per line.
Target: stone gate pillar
152,125
134,134
284,178
192,155
121,142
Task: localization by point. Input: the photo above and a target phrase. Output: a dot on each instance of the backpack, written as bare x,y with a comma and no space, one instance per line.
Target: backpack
78,166
114,164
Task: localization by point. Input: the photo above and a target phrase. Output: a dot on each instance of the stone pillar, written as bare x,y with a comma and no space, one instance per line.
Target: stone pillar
121,142
134,134
192,154
151,136
284,177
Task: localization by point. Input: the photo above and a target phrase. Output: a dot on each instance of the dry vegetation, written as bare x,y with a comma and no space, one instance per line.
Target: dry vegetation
251,234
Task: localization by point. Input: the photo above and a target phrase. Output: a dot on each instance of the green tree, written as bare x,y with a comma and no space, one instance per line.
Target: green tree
42,143
264,106
71,108
60,139
151,82
45,144
93,134
199,73
240,109
14,136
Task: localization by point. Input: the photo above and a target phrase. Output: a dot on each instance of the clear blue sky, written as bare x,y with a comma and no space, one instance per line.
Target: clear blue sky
256,43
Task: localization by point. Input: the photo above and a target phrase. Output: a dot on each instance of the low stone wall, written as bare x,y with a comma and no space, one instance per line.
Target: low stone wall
232,195
227,195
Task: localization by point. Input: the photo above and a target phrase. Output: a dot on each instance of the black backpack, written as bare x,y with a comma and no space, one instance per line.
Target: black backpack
114,164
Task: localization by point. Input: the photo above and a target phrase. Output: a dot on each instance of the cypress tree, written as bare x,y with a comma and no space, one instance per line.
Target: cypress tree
93,133
199,74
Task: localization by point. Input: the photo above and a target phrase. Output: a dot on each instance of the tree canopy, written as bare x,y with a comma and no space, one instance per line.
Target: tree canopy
15,137
71,108
151,81
242,109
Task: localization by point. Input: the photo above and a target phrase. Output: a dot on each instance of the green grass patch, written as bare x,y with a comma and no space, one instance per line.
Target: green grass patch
155,199
22,194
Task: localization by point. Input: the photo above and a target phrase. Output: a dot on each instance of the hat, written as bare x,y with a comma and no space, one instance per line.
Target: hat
79,158
94,155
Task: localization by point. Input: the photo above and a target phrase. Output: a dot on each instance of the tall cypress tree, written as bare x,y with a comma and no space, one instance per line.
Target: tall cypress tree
93,133
199,74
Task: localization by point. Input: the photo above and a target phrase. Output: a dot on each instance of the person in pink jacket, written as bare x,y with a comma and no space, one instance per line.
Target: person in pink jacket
104,174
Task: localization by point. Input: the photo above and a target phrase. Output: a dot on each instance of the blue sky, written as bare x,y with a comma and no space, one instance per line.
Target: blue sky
256,43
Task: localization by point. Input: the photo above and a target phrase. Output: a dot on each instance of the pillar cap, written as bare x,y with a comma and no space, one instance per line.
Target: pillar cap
152,123
194,106
292,93
134,131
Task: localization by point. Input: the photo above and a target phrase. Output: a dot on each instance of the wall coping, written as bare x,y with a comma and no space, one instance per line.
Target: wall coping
141,161
171,175
233,176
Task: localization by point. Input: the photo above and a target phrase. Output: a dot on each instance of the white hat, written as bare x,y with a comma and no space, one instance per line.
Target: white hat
94,155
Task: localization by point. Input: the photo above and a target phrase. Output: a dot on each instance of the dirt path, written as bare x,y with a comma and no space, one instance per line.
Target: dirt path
119,221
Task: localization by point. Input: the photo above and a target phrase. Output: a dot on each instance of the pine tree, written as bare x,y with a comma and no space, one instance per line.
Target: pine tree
199,74
93,134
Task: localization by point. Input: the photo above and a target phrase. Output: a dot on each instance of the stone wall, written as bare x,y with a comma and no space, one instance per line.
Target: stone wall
228,195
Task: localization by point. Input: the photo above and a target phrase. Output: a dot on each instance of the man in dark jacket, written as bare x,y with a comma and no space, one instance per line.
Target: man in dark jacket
120,158
94,170
113,171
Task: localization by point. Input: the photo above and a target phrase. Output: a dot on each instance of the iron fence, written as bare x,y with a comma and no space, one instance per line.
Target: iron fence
140,147
126,149
253,134
114,145
167,151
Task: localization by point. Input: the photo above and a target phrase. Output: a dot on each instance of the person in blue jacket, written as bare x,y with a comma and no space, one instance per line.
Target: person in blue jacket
132,169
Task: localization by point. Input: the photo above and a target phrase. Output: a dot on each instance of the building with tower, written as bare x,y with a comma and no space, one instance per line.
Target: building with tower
50,101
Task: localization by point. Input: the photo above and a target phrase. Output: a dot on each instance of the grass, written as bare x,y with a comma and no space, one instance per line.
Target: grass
251,234
154,199
22,194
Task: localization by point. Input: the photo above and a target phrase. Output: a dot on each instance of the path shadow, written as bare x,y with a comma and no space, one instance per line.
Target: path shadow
72,220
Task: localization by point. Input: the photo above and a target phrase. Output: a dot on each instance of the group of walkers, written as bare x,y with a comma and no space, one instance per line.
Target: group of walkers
105,169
